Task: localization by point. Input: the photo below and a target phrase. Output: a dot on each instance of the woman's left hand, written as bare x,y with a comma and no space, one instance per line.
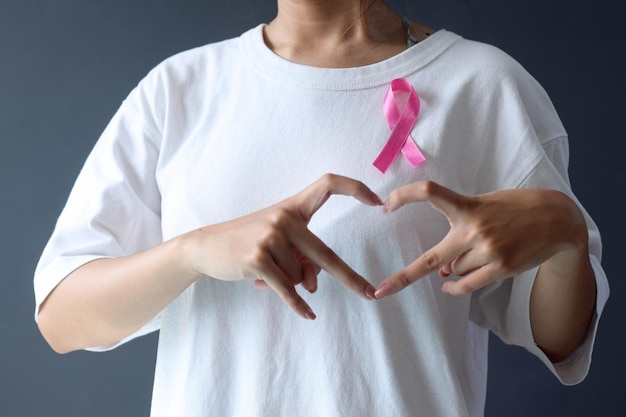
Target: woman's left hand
492,236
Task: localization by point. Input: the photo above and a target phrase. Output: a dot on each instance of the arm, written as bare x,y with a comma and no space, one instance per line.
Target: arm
563,297
498,235
106,300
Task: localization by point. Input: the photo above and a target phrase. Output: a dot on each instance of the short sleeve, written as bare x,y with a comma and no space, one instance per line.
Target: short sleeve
504,307
114,206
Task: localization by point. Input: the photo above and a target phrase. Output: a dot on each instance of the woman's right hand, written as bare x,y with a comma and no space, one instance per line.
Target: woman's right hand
108,299
275,247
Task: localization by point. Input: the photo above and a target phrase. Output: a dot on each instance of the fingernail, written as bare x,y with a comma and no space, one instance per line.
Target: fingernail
444,288
370,292
382,291
385,208
309,314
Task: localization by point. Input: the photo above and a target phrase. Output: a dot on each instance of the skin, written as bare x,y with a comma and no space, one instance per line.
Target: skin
106,300
336,34
498,235
492,236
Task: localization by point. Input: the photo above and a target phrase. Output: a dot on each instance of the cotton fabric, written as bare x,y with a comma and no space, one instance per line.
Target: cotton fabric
223,130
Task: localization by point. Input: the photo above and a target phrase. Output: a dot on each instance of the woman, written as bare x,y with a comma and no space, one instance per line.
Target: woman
200,184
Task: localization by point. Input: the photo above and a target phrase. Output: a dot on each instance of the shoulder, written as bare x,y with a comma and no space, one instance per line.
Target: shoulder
196,63
187,76
498,85
480,72
209,64
181,84
481,94
485,63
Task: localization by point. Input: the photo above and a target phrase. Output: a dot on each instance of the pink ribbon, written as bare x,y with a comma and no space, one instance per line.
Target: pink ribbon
401,107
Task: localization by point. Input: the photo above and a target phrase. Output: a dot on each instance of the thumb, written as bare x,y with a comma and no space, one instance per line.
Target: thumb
443,199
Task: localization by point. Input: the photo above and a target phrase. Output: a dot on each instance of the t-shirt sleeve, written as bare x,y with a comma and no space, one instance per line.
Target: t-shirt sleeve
504,307
114,206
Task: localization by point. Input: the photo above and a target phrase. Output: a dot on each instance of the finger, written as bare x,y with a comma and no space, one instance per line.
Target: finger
313,197
306,273
430,261
309,275
259,284
468,262
441,198
287,262
309,271
280,283
446,270
460,266
475,280
309,279
324,257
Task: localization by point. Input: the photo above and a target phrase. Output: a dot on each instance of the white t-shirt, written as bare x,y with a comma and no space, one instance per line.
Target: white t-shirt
223,130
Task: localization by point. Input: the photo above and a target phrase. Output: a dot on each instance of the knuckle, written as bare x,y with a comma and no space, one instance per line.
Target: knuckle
297,303
280,218
257,257
429,187
292,299
404,278
270,239
356,280
357,187
484,235
328,180
394,195
491,245
476,232
432,261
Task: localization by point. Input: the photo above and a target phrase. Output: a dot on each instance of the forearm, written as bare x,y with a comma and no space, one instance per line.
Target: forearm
106,300
563,298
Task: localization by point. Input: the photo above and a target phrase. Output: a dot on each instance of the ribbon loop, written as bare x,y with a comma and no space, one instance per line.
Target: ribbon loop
401,107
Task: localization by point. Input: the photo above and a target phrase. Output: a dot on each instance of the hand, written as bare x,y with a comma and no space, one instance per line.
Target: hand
308,276
492,236
275,247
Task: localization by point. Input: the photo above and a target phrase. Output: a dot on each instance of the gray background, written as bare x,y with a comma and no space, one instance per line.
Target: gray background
66,65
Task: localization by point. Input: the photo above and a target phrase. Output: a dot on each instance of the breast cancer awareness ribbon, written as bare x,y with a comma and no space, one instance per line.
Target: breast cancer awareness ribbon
401,107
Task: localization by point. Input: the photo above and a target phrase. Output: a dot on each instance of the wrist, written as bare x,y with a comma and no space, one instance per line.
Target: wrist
181,252
574,227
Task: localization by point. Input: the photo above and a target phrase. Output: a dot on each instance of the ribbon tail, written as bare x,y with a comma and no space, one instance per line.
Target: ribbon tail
383,161
412,153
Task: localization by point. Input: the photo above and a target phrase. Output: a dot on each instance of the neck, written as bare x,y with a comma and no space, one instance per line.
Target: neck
335,33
